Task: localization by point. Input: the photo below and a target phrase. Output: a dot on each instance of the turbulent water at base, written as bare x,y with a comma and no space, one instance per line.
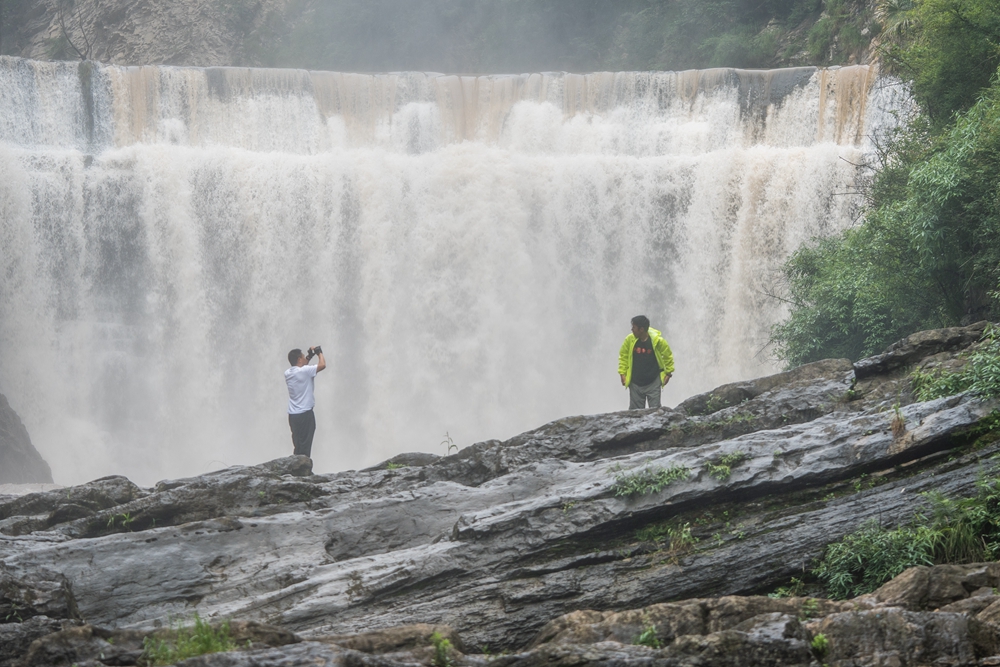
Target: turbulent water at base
468,250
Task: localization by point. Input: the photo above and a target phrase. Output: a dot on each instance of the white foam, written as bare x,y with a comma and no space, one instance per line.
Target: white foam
469,251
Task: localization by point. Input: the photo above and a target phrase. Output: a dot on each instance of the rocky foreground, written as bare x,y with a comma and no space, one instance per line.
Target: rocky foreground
526,552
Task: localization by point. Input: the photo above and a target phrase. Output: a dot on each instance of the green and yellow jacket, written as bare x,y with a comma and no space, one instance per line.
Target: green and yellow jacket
660,348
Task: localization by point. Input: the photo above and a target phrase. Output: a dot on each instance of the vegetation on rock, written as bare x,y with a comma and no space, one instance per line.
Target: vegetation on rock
965,530
980,375
199,639
648,480
442,650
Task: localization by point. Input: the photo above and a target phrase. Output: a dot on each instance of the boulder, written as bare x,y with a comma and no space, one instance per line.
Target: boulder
392,640
930,588
36,593
20,462
896,636
16,638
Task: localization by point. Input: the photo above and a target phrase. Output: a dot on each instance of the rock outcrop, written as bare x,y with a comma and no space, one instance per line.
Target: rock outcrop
531,545
20,462
132,33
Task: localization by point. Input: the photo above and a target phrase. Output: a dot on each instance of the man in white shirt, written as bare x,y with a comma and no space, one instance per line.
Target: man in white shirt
300,378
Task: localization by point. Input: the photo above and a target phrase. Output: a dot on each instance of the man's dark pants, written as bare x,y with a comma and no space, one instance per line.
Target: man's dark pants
303,427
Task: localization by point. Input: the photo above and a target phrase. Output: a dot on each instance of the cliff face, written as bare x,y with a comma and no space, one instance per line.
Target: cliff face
136,32
498,540
20,462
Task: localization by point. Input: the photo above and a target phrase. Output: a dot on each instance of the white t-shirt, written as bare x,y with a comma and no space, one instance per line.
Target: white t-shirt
300,380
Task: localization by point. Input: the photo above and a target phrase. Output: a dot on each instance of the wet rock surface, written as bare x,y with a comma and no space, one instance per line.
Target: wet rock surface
529,546
20,462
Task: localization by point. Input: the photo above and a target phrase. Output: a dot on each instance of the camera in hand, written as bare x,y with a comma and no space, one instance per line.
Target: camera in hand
313,351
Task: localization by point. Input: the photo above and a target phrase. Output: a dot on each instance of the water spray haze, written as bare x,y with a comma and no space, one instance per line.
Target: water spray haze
468,250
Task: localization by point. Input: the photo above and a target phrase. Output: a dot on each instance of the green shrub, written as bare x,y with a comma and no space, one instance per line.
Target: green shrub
965,530
795,588
648,480
820,38
648,637
928,385
980,375
442,650
187,643
927,254
820,645
870,556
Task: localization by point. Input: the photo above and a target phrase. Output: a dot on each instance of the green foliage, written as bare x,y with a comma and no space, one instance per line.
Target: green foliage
809,609
927,255
795,588
648,636
124,520
722,467
188,642
867,558
928,385
442,650
949,49
980,375
648,480
957,531
820,645
678,537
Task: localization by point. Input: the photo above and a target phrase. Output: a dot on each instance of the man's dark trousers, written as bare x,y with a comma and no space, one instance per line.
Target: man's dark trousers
303,427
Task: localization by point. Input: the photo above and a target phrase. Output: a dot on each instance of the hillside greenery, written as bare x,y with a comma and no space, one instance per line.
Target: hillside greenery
523,35
927,253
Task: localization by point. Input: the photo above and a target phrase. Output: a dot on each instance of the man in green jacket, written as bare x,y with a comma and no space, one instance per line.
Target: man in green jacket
645,364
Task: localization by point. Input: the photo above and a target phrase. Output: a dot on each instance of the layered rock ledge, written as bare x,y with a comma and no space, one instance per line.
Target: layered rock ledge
526,546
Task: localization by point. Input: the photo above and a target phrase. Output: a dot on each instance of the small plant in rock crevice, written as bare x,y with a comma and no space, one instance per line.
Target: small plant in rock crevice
15,613
679,538
648,636
648,480
809,609
898,424
820,645
449,443
715,403
722,467
442,650
795,588
124,519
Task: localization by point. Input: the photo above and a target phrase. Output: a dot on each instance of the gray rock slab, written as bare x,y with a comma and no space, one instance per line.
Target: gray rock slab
502,537
20,462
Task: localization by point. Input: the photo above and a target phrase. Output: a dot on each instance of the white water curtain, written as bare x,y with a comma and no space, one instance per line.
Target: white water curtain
468,250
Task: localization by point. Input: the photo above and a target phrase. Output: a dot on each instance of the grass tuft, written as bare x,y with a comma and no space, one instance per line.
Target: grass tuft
648,480
199,639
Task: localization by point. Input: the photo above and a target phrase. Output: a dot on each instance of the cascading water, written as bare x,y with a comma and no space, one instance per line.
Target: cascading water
468,250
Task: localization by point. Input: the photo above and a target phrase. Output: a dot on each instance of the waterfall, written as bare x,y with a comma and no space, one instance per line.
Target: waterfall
468,250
